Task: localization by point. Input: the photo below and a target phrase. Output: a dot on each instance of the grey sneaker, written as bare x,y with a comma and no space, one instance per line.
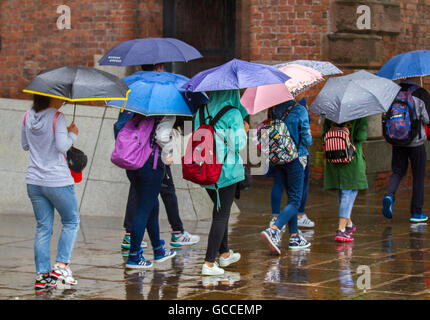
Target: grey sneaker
305,222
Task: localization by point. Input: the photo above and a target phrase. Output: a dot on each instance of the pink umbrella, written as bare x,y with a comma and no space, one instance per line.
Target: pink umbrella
302,77
256,99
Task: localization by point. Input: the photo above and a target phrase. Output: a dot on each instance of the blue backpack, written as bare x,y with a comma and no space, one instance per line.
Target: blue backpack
400,124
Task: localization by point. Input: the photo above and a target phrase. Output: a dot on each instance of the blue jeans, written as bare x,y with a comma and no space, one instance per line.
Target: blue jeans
291,175
346,202
147,183
278,189
44,200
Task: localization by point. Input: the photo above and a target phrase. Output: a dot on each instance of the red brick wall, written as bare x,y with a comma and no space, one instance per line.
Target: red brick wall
287,29
31,41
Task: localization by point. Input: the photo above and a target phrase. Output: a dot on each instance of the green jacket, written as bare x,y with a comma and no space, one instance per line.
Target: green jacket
348,176
231,128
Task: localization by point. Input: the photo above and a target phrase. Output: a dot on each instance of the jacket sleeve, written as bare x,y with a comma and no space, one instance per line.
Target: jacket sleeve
24,141
361,131
63,139
163,136
305,129
421,106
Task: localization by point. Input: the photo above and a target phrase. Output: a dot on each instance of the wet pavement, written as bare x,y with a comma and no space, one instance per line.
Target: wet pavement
397,255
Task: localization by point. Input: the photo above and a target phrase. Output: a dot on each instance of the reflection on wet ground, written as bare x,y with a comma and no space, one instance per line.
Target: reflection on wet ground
396,253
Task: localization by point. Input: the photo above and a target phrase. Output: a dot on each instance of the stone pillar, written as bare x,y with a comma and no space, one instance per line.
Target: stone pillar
352,48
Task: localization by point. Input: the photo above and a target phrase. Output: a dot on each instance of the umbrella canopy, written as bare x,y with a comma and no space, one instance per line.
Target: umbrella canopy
324,67
149,51
235,74
354,96
302,77
257,99
78,83
159,93
406,65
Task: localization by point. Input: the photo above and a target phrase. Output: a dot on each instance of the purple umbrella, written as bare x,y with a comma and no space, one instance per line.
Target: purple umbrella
235,74
149,51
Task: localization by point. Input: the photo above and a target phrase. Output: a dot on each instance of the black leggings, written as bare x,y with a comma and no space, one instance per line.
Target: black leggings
218,235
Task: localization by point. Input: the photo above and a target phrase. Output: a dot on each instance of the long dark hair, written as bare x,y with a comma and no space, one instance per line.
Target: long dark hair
40,102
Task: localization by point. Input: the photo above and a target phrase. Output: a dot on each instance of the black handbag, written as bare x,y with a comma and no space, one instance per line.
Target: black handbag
76,159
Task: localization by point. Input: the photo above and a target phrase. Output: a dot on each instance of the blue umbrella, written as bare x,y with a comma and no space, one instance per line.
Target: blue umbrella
406,65
159,93
324,67
235,74
149,51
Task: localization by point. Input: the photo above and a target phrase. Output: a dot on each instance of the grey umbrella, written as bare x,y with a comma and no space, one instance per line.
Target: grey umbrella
357,95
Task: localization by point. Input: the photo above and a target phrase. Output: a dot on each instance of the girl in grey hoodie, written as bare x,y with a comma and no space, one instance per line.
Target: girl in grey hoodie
50,186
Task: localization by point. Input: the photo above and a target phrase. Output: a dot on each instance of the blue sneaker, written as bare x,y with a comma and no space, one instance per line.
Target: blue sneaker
162,254
298,242
418,218
138,261
272,237
387,206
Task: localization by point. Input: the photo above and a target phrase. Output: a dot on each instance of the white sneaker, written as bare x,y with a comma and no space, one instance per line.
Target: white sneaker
305,222
232,258
212,271
63,275
272,222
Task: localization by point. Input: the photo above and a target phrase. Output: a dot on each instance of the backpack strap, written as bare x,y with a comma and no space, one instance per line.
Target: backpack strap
25,117
220,114
287,112
54,122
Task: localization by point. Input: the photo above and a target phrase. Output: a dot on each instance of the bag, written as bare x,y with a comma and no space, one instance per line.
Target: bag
75,158
200,164
400,124
427,128
276,141
135,144
337,145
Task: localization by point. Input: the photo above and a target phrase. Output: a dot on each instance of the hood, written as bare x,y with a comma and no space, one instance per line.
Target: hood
37,122
220,99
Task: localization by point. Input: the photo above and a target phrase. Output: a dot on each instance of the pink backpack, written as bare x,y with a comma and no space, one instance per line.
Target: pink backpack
133,145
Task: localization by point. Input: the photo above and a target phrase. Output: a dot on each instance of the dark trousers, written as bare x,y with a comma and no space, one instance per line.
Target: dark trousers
168,195
399,163
147,183
218,235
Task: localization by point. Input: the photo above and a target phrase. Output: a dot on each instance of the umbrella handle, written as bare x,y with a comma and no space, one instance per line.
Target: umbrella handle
74,112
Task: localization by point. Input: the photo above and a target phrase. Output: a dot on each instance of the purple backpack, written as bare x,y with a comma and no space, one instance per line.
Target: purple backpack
133,145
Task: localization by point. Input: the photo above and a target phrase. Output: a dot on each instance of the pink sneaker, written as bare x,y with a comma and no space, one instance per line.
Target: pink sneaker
343,236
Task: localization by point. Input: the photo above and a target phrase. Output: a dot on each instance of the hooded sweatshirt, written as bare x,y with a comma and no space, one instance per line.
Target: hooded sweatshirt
48,166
